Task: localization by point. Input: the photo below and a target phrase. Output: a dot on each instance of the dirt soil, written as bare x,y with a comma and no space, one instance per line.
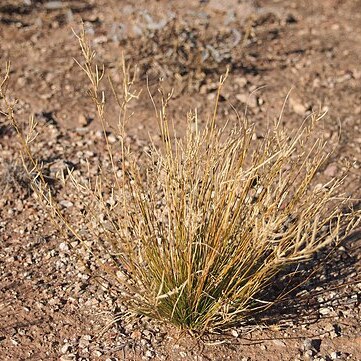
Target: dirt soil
50,307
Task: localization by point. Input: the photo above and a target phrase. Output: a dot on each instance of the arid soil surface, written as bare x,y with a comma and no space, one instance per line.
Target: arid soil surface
51,308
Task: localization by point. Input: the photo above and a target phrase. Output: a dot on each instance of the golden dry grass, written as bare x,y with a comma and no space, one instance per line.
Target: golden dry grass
194,234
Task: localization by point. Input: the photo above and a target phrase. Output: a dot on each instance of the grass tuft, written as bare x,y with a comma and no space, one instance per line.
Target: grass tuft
194,234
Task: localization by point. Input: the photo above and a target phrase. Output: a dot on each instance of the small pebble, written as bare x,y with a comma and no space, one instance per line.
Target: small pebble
65,348
112,139
63,247
54,5
83,120
324,311
66,204
297,107
149,354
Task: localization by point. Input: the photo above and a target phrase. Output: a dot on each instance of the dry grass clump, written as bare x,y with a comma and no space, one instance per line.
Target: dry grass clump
192,51
193,235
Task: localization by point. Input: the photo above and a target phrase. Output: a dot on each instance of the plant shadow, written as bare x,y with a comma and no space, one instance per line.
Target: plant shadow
303,293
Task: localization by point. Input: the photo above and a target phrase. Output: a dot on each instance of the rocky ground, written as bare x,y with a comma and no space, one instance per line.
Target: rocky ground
51,308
